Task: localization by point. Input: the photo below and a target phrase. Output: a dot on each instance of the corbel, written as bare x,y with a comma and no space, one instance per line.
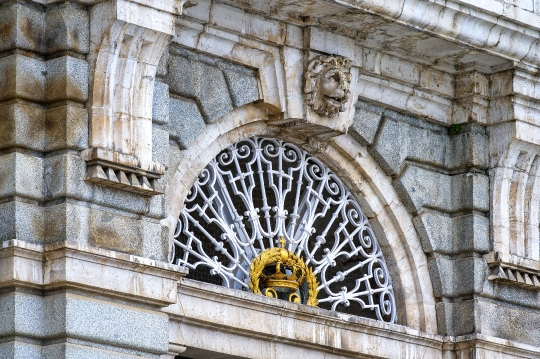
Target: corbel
328,83
513,270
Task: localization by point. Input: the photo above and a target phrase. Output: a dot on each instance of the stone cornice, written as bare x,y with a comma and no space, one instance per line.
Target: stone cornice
515,38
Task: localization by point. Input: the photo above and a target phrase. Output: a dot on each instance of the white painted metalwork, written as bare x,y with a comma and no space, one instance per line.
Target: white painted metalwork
260,189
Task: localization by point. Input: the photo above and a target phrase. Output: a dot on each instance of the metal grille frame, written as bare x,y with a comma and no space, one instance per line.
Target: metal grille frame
261,189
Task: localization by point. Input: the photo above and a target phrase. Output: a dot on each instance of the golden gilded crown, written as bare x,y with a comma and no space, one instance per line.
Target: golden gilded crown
274,259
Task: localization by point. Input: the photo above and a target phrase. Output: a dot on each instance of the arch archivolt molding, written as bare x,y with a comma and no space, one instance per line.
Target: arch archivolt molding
357,169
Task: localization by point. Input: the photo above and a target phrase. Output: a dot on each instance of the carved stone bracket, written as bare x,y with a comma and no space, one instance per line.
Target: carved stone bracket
122,171
511,276
513,270
328,84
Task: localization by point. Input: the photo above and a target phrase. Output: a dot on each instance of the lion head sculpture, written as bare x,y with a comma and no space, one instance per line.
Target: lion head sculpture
328,80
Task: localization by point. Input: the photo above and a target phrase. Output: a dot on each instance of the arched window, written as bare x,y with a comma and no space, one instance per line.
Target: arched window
266,216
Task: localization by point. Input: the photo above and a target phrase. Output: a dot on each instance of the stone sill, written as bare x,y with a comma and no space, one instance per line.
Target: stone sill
96,270
242,317
266,305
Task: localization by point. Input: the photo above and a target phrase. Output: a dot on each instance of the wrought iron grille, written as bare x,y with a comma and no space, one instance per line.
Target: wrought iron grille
261,189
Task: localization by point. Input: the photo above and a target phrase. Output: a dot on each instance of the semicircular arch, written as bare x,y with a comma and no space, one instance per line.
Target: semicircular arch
352,163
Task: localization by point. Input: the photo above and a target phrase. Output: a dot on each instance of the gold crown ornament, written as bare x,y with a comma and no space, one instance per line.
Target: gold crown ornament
279,284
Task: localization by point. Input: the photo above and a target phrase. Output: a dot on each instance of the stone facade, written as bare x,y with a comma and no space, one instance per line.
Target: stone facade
110,110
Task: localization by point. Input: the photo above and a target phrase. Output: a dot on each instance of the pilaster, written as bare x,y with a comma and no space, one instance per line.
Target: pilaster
127,39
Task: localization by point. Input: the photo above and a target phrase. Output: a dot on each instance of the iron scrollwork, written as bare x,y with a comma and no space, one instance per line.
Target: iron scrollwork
261,190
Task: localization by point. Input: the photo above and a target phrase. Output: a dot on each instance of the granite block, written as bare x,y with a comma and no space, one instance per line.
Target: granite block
163,65
456,318
22,77
512,294
442,233
21,175
507,321
113,324
81,318
242,82
160,145
180,79
104,228
198,80
21,315
22,125
115,232
7,315
469,149
365,123
212,91
67,79
155,240
470,192
419,187
68,29
22,27
20,350
457,277
398,141
185,121
66,127
160,103
22,221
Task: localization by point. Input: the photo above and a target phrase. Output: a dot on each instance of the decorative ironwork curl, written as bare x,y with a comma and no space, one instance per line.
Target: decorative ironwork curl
262,189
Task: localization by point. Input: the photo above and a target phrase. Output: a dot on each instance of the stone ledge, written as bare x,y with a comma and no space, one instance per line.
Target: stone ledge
299,331
513,270
232,299
96,270
489,347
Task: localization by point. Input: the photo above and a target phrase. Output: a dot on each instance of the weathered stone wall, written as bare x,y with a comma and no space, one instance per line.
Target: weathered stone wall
43,91
43,87
441,175
439,165
64,306
442,150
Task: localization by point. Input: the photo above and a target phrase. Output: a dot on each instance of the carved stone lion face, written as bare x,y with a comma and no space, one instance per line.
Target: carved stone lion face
327,87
